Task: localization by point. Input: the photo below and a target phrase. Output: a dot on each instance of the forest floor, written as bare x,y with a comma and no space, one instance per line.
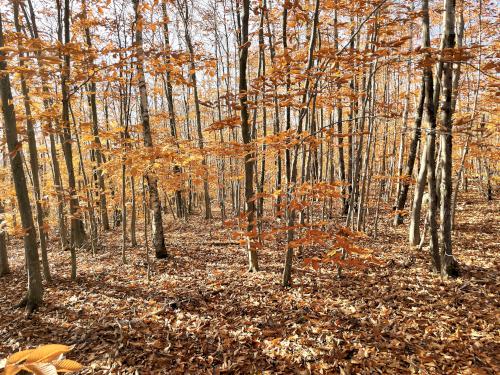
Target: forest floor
203,313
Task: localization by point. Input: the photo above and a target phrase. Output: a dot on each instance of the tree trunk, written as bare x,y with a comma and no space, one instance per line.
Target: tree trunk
262,64
124,213
192,69
133,214
155,203
403,193
34,296
86,184
398,218
53,151
222,163
431,150
97,141
33,153
4,260
77,238
340,139
253,264
414,231
179,203
449,266
292,180
455,91
353,207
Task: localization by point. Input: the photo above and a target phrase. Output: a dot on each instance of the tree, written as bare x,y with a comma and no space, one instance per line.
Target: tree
184,12
405,185
431,148
354,105
34,296
47,103
179,201
292,180
448,262
77,230
155,203
33,154
249,160
98,175
4,260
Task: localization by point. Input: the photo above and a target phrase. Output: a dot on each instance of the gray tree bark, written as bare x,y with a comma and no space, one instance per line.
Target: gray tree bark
179,202
4,260
33,156
184,10
34,296
246,134
77,229
431,149
449,265
98,175
155,203
292,180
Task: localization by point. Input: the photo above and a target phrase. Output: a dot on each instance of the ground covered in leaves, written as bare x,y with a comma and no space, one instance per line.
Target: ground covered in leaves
203,313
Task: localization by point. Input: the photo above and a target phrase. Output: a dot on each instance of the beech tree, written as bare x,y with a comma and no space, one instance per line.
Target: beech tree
155,203
77,237
448,263
4,260
247,139
33,154
34,294
306,128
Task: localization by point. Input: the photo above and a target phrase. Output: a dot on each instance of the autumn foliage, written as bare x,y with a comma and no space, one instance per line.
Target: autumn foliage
316,144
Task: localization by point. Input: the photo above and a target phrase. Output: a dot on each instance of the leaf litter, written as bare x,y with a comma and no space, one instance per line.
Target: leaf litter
203,313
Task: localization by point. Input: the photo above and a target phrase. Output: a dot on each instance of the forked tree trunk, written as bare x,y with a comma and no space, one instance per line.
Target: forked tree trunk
431,150
34,296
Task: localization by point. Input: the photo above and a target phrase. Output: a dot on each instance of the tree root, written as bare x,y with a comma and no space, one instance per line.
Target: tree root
30,306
